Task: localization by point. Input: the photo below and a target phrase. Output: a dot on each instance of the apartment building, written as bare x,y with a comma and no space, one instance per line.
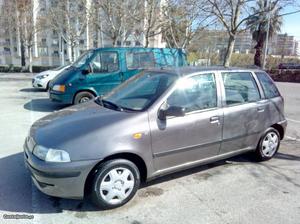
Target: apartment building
217,40
50,49
283,45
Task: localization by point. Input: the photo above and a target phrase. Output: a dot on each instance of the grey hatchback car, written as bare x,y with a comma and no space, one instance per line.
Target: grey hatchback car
155,123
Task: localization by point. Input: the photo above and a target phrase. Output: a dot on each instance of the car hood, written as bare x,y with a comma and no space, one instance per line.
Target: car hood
61,127
43,73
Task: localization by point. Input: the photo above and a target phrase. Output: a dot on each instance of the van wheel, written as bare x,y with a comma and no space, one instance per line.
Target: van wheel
83,97
268,145
115,183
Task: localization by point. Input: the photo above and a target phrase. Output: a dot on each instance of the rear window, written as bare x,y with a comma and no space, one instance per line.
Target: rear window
240,87
135,60
268,85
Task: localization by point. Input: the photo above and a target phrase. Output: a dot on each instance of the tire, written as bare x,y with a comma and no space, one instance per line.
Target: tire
83,97
115,183
47,86
268,145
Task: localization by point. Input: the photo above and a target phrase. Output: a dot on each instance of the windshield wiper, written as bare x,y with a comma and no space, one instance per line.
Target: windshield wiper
108,104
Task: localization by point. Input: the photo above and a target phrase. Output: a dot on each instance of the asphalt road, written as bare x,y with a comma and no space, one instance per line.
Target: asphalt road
233,191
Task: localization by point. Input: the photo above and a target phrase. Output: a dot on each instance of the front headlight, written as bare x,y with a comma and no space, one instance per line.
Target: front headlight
51,155
42,76
59,88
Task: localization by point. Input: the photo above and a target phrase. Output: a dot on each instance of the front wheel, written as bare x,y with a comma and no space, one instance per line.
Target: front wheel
83,97
115,183
268,145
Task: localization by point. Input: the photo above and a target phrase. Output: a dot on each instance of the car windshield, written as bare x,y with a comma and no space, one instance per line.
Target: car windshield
60,67
139,92
82,59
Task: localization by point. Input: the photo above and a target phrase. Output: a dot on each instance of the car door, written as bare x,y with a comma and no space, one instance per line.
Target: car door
244,111
105,72
180,141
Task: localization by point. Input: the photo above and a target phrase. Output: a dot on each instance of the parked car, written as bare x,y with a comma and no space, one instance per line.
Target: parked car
98,71
289,66
157,122
42,80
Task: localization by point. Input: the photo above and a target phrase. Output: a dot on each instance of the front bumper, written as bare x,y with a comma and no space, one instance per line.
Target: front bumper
39,83
61,97
64,180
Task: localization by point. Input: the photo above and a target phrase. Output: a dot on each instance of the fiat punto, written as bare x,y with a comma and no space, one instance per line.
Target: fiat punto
157,122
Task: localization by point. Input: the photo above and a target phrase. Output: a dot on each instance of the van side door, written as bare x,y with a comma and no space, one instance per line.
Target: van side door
105,72
244,111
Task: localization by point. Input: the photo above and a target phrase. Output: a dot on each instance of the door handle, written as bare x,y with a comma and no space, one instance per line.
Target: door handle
122,76
260,109
214,119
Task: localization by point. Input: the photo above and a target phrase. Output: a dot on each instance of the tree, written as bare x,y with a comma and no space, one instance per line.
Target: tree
232,15
185,19
115,18
151,13
259,25
69,19
21,16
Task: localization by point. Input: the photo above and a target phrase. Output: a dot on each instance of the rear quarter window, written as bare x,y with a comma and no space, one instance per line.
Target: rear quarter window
268,85
136,60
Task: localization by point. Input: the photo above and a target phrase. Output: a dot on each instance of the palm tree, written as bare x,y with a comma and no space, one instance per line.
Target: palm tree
258,26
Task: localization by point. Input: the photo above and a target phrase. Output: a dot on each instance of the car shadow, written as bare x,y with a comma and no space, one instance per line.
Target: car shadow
285,156
28,90
18,193
43,105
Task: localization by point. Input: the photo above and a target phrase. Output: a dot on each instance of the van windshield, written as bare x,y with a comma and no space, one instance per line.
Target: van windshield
140,92
82,59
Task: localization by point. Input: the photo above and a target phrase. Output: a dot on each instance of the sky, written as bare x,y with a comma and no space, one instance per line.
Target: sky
291,23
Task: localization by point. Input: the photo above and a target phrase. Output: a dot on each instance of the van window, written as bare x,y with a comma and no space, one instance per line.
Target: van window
240,87
105,61
268,85
195,93
135,60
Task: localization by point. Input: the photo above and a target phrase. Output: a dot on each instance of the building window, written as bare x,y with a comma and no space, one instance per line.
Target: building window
137,43
6,50
118,43
54,42
127,43
55,53
44,41
43,51
81,41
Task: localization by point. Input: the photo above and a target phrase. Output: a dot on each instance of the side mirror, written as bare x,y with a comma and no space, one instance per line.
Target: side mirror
86,71
171,111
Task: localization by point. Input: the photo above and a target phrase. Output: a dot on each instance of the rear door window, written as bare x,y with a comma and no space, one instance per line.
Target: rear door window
240,87
268,85
135,60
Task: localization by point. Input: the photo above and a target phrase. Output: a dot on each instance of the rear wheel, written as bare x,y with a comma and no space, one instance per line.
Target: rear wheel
115,183
268,145
83,97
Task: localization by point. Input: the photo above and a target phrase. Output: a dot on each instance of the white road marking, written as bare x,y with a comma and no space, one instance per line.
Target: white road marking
35,204
292,120
292,138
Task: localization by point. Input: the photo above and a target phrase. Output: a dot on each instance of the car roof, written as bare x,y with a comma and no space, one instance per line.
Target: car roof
188,70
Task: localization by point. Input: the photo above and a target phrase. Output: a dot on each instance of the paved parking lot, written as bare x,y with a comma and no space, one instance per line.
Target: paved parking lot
233,191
